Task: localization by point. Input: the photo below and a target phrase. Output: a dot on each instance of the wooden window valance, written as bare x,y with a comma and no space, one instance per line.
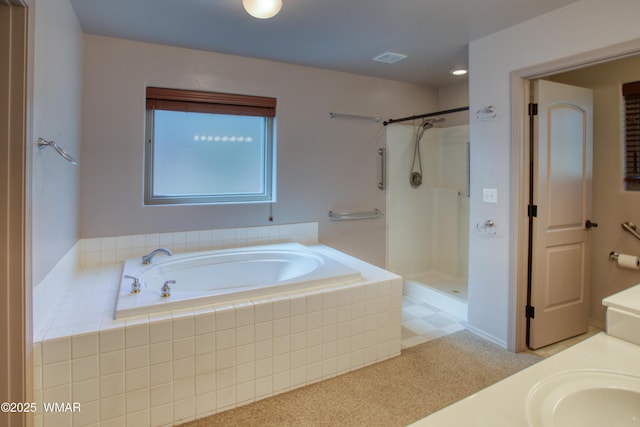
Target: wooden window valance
210,102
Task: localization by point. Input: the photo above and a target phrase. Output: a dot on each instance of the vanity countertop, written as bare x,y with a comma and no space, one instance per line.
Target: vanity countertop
503,403
627,300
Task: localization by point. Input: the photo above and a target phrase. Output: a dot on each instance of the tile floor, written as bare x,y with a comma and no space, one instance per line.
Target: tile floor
552,349
422,322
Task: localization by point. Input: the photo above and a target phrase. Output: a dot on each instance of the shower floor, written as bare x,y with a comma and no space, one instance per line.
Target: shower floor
453,286
445,292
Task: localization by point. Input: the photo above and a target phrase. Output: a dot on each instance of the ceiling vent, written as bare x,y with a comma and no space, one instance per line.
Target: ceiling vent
389,57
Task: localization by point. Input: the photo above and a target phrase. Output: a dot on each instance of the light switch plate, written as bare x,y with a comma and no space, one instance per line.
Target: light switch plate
490,195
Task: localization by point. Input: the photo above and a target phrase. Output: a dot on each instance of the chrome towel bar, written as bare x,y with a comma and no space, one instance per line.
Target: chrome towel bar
353,116
348,216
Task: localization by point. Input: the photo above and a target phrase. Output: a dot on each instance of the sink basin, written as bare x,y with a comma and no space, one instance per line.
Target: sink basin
585,398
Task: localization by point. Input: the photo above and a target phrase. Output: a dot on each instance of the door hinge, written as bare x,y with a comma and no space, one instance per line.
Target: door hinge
530,312
533,109
532,211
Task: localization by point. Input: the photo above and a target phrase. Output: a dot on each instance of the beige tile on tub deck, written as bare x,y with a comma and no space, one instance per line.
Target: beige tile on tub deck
111,340
160,331
137,335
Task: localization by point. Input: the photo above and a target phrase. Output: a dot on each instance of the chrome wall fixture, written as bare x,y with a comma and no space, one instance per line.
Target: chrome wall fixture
487,228
382,185
486,113
353,116
631,228
42,143
348,216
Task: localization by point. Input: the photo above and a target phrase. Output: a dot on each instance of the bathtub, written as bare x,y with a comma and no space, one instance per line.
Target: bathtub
194,362
218,276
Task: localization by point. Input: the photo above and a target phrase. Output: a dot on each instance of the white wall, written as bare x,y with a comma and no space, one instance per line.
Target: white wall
454,96
581,27
323,164
57,96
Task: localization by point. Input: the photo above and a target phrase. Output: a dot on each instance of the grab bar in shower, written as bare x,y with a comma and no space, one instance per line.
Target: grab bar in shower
44,143
382,185
631,228
348,216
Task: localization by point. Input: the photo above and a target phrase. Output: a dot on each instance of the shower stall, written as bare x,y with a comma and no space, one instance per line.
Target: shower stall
428,208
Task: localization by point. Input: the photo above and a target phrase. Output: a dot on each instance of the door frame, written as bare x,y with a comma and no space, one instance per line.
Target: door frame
16,341
518,236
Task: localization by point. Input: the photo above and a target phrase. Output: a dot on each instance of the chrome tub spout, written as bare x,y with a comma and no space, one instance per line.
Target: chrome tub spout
146,259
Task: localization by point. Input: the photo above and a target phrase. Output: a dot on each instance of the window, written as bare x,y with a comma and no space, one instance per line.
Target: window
631,96
206,148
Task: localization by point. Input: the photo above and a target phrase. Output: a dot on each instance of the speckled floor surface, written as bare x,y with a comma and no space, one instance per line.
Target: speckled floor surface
396,392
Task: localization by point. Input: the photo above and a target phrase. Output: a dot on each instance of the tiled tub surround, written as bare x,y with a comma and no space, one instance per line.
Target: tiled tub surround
162,369
109,251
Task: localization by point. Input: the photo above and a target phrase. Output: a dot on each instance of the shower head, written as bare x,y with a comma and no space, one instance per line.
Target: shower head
428,123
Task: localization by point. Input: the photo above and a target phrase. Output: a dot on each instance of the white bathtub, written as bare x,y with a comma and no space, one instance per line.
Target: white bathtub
204,278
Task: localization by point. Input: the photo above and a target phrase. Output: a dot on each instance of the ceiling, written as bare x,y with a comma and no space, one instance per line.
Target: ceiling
342,35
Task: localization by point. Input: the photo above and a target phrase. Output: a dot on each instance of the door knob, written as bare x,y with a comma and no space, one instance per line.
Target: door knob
590,224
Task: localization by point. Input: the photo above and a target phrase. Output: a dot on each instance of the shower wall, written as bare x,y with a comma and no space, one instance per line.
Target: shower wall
428,226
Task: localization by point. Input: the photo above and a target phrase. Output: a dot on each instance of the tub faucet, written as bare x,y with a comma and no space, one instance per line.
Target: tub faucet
135,285
165,291
147,258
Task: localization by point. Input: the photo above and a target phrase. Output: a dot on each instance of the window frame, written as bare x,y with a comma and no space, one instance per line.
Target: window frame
212,103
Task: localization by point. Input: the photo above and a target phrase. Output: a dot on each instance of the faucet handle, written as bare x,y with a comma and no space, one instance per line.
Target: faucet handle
135,286
166,289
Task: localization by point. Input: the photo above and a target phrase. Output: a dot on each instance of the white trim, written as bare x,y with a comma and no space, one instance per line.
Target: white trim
16,338
519,101
489,337
520,196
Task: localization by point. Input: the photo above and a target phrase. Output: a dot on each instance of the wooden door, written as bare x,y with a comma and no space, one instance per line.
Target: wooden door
560,273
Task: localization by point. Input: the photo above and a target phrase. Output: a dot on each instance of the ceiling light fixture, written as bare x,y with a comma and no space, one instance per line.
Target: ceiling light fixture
459,71
262,9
